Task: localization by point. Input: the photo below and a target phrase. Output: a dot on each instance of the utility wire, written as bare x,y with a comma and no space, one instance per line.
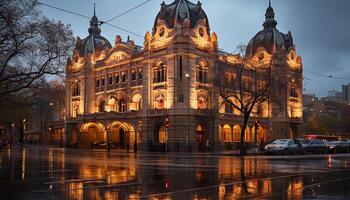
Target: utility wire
131,9
326,76
87,17
63,10
122,29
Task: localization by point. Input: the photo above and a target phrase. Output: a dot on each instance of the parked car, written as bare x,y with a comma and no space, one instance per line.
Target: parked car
304,144
316,147
284,146
338,147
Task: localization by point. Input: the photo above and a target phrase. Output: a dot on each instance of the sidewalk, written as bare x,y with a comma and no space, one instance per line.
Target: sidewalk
250,152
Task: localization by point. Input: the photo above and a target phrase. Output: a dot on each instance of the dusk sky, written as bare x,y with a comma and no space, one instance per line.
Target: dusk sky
321,28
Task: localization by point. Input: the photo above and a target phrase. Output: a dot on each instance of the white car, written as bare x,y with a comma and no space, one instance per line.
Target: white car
284,146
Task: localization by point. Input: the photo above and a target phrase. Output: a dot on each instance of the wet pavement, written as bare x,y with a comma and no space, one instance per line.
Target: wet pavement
49,173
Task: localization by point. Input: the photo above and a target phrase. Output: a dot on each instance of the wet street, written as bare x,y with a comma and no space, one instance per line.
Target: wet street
40,173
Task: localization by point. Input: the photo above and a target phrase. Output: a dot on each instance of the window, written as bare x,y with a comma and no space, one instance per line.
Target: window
133,75
159,73
110,80
201,72
261,86
116,78
246,83
124,77
140,73
98,83
103,82
102,106
228,108
76,89
122,105
293,88
293,91
180,67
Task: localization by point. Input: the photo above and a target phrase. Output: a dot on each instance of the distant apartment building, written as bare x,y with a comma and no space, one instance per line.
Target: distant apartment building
346,93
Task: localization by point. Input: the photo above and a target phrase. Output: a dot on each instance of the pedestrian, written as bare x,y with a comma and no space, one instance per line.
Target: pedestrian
207,144
177,146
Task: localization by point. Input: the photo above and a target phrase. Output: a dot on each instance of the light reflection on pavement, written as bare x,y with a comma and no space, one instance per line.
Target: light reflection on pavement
40,173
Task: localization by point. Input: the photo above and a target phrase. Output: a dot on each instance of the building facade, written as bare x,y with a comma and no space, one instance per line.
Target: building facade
346,93
167,91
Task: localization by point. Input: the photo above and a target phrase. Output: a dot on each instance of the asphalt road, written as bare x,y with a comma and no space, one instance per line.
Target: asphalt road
48,173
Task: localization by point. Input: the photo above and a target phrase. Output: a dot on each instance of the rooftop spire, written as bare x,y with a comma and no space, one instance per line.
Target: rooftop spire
94,24
270,21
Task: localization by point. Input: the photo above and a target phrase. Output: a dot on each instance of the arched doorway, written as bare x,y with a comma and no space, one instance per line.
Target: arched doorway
91,133
160,137
201,138
122,135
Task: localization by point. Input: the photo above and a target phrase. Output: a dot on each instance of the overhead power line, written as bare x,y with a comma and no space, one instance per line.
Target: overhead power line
63,10
87,17
326,76
131,9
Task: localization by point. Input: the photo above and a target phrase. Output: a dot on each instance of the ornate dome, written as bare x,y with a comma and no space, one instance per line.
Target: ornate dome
94,43
270,38
180,10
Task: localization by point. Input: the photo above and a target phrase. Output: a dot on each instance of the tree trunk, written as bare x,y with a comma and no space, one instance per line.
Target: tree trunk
242,147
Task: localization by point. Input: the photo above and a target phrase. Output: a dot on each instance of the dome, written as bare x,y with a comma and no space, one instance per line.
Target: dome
180,10
270,38
94,42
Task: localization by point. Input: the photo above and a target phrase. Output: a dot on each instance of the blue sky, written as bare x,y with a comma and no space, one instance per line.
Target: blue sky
321,28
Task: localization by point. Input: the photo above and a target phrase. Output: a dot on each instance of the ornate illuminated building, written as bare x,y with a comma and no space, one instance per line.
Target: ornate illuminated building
121,93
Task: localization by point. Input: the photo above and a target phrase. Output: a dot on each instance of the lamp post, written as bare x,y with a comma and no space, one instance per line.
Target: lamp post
188,112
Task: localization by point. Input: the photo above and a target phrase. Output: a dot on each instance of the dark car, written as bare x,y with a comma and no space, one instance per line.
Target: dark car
304,144
316,147
338,147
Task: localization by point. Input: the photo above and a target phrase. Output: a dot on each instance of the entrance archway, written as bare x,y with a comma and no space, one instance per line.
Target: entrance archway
122,134
92,133
160,138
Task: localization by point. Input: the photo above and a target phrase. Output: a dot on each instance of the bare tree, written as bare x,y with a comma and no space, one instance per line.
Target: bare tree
31,45
250,88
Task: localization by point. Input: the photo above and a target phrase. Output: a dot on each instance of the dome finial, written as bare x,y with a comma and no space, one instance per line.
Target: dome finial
94,9
270,21
94,24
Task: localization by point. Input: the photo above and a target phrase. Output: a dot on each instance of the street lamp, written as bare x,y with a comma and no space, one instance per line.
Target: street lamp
188,111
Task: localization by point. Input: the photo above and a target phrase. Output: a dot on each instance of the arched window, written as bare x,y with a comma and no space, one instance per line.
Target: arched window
201,72
136,102
111,104
122,105
102,106
159,73
293,88
76,89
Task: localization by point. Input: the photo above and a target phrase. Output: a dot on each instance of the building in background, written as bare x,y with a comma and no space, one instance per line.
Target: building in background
166,91
346,93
